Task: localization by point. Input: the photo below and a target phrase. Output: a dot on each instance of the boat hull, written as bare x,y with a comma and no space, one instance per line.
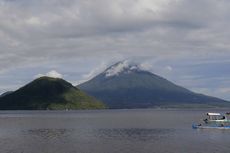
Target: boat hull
195,126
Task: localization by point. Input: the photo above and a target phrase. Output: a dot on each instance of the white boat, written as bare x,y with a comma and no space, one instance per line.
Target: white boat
199,126
214,121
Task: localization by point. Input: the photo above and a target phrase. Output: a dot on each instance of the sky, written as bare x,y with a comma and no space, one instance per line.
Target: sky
184,41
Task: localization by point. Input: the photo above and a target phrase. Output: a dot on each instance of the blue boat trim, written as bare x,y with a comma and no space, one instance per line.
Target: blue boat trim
214,122
209,127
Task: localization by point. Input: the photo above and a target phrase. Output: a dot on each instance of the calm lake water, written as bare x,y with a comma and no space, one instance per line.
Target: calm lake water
109,131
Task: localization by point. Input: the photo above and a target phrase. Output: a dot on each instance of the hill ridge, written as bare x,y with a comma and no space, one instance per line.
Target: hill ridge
49,93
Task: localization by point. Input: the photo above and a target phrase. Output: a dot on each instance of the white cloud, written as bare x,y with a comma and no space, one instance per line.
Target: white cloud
38,76
168,68
37,32
35,21
81,29
116,69
145,66
52,74
94,72
225,90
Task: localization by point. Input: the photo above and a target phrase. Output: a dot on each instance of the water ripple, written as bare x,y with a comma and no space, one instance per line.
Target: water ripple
49,134
138,134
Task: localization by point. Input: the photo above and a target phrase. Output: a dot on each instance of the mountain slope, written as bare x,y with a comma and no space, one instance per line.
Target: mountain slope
48,93
6,93
127,86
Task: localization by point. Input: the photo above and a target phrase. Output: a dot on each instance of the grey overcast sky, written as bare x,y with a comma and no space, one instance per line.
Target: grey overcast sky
185,41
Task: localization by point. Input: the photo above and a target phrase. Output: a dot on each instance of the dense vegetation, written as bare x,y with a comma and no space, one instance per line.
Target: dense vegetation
48,93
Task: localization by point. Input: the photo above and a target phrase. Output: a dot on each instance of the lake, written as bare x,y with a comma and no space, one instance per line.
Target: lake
109,131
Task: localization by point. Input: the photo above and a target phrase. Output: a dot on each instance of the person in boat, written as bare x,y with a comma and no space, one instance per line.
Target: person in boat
206,120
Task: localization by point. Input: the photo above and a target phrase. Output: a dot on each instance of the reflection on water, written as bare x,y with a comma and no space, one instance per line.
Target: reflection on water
48,134
128,134
112,131
133,134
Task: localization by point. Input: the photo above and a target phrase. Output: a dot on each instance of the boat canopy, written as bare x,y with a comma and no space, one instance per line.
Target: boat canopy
213,114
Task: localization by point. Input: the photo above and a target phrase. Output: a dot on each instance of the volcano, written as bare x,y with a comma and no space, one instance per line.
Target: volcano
125,85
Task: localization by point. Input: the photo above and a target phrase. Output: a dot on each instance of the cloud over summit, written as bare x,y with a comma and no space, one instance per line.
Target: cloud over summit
64,35
52,74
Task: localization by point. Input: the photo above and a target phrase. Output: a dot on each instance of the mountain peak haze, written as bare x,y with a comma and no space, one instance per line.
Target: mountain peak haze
127,85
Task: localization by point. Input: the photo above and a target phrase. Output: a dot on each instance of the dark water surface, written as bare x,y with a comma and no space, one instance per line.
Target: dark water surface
109,131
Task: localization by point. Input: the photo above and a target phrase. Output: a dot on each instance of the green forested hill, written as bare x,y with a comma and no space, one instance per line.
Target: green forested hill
48,93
